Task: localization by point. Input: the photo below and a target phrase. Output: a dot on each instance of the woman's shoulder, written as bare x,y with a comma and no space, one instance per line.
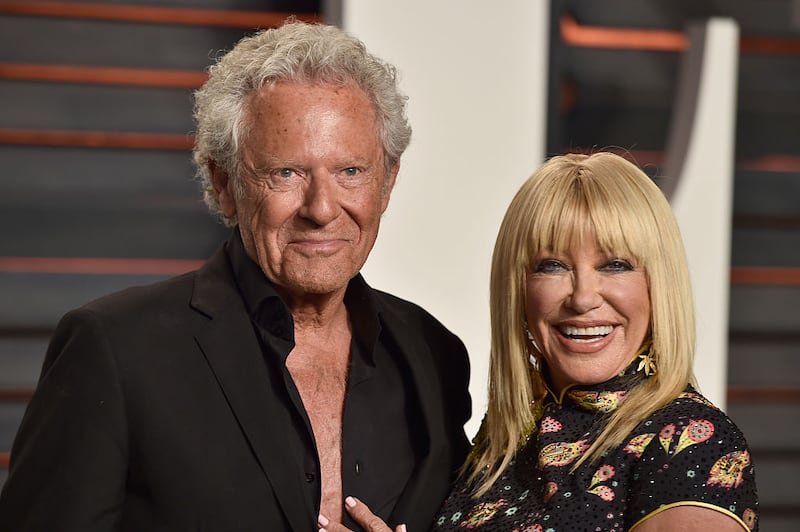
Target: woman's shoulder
686,422
693,409
689,452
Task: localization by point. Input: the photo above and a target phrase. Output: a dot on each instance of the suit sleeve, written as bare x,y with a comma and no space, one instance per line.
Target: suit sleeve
69,459
459,402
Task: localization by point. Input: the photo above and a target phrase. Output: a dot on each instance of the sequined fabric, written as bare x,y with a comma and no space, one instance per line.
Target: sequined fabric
688,452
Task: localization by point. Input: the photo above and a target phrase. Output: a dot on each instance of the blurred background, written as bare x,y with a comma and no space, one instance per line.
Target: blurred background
98,190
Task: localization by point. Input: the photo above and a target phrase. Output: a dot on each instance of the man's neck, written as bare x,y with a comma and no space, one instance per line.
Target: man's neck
317,312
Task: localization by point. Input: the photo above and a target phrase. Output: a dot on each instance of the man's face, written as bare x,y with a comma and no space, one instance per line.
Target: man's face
314,185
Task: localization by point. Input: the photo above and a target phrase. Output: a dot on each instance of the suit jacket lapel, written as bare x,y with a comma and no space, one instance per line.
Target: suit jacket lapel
428,478
232,350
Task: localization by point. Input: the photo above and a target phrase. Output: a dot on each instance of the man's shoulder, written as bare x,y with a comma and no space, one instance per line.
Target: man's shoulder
391,305
129,299
393,302
164,293
409,320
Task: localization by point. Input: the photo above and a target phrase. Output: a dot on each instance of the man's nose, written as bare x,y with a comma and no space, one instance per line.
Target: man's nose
321,198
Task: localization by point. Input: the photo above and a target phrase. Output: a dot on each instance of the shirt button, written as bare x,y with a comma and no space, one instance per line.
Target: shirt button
309,477
358,468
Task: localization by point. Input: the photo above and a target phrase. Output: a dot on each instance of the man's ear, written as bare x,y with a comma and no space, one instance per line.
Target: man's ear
223,188
388,185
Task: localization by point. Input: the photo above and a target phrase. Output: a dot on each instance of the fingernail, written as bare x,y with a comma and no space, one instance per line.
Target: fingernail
403,528
322,520
349,501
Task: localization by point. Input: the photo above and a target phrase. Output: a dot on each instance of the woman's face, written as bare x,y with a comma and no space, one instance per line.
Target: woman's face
588,311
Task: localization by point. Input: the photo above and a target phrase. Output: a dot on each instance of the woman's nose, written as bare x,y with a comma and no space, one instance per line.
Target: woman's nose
585,294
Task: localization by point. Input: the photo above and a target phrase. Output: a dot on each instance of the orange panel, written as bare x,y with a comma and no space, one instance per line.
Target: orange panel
152,14
97,139
574,34
765,275
180,79
763,394
86,265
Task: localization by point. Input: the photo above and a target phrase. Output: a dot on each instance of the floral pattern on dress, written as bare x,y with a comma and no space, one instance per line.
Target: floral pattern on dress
481,513
750,518
604,402
604,492
604,473
549,424
689,450
562,453
728,471
665,436
530,528
696,432
550,489
638,444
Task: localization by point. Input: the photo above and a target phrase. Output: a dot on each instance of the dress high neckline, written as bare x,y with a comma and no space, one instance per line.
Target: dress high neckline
606,396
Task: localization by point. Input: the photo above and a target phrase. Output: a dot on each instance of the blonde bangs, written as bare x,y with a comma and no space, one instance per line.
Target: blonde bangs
579,207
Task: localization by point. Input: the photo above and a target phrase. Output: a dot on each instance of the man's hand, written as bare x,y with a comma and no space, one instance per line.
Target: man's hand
362,515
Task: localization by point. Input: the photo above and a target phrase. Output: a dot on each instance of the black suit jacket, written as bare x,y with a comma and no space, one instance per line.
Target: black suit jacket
154,412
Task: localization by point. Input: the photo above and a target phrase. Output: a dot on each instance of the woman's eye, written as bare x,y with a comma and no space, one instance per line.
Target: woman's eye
550,266
618,265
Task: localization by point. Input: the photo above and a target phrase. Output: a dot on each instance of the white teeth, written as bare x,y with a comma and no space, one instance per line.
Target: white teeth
601,330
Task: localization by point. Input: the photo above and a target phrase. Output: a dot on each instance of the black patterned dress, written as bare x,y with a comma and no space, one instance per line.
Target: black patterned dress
687,453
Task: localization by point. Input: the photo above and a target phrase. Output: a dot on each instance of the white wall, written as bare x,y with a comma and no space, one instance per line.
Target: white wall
476,74
703,199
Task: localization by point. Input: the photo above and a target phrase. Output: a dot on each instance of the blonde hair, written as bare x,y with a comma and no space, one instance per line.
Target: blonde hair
629,215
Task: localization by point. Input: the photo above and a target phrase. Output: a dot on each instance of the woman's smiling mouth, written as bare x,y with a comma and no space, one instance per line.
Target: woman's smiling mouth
586,334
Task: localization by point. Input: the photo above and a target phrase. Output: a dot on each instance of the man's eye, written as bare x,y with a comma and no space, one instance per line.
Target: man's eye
285,173
618,265
550,266
350,172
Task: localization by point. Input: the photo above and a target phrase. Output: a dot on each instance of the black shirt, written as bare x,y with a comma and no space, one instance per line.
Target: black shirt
379,446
